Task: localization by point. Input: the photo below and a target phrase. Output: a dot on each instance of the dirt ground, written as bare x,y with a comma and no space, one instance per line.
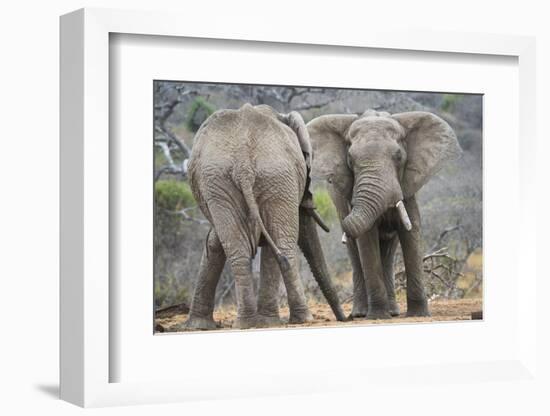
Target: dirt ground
442,310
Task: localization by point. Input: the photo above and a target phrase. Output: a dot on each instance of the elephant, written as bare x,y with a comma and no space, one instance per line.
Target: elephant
374,164
249,173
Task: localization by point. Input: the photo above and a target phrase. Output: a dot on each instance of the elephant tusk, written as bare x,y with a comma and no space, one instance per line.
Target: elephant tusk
319,221
403,215
344,238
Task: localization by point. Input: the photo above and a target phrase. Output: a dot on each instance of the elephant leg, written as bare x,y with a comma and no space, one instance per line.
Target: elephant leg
210,269
387,253
369,249
411,242
231,230
309,243
299,311
281,222
360,304
241,267
360,298
268,292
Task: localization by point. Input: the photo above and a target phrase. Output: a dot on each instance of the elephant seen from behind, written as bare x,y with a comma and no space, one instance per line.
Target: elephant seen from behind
249,172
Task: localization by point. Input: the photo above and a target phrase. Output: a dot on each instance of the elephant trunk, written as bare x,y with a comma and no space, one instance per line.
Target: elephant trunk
310,245
368,204
374,192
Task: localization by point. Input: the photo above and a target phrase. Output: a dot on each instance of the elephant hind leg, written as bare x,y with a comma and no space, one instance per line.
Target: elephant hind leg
211,266
281,219
232,232
268,292
247,317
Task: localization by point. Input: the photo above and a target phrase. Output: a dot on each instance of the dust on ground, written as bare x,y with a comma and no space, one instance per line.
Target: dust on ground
441,310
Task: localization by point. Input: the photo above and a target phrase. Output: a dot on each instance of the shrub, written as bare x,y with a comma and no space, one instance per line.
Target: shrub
324,205
173,195
449,102
199,110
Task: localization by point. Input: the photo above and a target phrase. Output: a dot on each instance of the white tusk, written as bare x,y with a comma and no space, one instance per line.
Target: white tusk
403,215
344,238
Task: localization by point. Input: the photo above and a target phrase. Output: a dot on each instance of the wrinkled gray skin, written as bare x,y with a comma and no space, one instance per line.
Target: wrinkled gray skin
249,173
371,162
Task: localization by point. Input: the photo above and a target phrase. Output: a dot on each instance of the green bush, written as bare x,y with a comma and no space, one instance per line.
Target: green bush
199,110
173,195
324,205
449,102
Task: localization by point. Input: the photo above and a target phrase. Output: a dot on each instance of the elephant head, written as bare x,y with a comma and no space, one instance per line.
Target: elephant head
376,160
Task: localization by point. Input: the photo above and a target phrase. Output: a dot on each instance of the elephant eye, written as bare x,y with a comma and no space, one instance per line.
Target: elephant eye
398,156
349,161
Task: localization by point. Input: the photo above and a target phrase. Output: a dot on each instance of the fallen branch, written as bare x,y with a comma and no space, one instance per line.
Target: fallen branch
180,308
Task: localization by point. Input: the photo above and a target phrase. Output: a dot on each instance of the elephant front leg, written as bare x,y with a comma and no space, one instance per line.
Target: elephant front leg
369,245
268,292
411,242
360,302
387,251
211,267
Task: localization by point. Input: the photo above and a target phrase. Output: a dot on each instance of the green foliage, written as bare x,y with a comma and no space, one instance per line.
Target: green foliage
324,205
450,101
199,110
173,195
160,159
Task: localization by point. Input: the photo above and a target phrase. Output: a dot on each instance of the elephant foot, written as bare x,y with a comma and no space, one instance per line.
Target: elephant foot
394,308
300,317
356,315
199,323
378,313
415,308
269,321
358,311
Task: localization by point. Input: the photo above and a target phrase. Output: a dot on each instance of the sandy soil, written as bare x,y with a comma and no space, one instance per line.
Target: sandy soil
442,310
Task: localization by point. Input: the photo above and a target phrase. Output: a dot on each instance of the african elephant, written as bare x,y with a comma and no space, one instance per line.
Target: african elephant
374,165
249,172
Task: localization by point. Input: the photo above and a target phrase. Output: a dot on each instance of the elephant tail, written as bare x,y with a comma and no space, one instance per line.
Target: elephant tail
248,194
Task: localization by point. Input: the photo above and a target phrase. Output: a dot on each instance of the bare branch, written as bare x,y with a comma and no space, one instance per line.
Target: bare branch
307,106
172,139
185,216
443,234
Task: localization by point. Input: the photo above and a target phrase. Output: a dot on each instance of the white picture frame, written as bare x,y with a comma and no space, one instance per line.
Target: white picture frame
85,353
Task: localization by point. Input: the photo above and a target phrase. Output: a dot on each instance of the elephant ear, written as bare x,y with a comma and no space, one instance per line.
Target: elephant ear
328,136
430,142
295,121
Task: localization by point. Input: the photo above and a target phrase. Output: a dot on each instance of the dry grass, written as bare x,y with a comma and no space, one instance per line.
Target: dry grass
442,310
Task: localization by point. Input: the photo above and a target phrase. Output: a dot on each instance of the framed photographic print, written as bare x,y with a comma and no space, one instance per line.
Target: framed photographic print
284,213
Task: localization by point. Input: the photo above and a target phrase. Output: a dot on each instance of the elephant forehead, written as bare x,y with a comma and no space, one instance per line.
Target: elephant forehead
379,126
